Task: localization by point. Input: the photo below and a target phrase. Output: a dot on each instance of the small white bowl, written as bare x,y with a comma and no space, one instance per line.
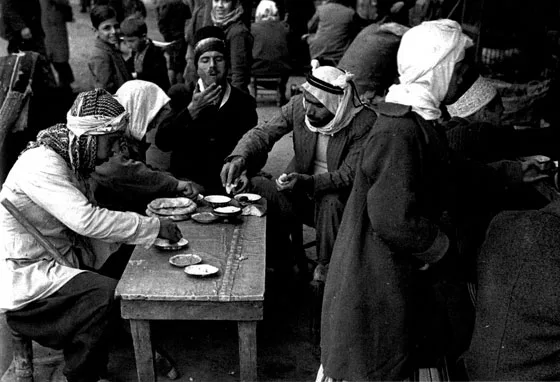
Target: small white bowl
217,200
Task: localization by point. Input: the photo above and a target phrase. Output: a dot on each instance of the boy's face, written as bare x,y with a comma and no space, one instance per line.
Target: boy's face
108,31
212,68
135,43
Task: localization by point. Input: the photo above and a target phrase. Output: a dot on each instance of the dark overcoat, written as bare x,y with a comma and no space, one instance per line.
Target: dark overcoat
390,229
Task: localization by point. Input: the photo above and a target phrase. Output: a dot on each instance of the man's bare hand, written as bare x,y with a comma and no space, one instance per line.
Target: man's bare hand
211,96
231,171
169,230
189,189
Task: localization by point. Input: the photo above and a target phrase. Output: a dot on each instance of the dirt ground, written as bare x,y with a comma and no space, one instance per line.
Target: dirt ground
208,351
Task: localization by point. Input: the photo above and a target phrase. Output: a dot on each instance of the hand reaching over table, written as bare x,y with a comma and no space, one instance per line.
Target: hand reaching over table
169,230
189,189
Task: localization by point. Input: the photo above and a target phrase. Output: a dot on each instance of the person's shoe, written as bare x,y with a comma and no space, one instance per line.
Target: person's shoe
165,367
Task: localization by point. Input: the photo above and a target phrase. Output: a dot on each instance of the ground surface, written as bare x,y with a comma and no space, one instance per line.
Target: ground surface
207,351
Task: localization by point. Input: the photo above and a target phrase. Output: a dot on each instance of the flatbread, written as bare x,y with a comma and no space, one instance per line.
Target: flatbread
173,211
171,217
180,202
172,206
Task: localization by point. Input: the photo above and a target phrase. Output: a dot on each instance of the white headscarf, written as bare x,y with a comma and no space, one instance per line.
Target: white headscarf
143,100
341,105
426,60
266,10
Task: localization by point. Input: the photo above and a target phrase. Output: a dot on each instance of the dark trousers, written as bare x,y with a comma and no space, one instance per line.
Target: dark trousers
79,318
287,211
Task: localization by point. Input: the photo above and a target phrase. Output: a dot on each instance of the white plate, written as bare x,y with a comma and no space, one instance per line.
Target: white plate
247,198
217,200
201,270
165,245
184,260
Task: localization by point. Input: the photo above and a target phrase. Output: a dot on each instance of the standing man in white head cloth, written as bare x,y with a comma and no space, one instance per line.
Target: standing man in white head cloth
391,230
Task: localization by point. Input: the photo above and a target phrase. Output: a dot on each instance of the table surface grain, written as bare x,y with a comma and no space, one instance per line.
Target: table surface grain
237,249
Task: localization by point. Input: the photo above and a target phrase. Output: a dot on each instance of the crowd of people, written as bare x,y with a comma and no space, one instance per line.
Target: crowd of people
400,164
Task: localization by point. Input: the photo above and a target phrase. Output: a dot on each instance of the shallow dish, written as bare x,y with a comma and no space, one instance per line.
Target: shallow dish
204,217
217,200
201,270
184,260
247,198
227,211
165,245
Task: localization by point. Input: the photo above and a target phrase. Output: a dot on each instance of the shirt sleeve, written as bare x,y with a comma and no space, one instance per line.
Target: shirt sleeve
393,162
55,188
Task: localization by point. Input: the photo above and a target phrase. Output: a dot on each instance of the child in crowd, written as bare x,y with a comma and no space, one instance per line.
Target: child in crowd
106,64
147,61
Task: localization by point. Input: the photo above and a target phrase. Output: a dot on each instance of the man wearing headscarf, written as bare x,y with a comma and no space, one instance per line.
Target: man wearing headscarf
329,126
125,182
213,116
392,229
58,306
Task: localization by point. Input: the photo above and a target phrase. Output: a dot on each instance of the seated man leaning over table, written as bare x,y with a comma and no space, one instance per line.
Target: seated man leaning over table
125,182
213,116
58,306
329,126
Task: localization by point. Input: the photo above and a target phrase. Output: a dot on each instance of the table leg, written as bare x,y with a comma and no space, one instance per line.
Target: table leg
143,351
247,350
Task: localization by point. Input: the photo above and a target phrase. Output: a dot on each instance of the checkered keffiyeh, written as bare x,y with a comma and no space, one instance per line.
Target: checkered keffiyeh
79,151
479,95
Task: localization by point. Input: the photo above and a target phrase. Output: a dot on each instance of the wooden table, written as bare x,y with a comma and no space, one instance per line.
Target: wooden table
153,289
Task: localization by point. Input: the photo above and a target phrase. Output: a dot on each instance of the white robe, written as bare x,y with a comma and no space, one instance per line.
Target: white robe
53,199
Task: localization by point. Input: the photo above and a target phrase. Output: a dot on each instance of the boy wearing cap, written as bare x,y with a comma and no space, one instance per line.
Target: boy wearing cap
147,61
215,115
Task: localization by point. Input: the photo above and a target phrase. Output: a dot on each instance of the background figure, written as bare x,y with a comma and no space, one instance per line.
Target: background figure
55,15
331,30
22,26
271,57
229,16
106,63
372,58
171,18
147,61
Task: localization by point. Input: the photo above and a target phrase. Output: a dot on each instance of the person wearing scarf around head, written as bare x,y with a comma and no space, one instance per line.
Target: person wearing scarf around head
227,15
329,126
213,116
126,182
391,230
55,305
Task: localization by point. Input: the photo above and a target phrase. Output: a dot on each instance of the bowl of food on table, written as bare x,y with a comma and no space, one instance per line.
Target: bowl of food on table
216,201
227,211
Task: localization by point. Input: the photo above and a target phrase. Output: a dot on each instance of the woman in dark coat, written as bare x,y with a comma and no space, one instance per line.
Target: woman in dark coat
392,224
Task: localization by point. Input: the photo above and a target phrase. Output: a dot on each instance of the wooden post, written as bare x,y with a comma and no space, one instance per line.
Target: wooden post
23,358
247,350
143,351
